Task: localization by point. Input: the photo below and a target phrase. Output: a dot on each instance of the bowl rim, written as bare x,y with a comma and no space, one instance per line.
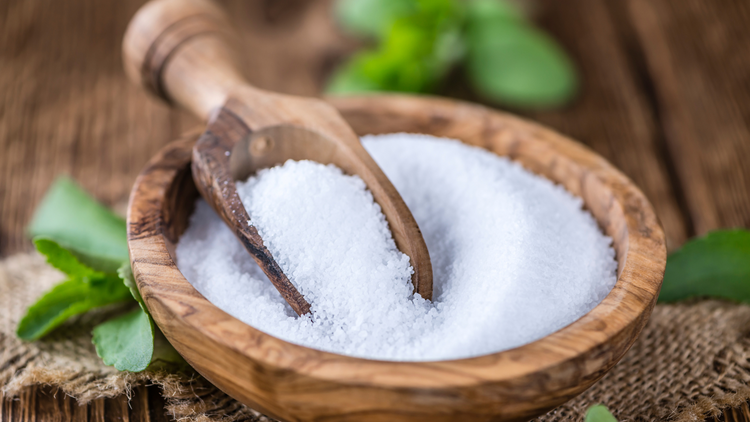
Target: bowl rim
625,309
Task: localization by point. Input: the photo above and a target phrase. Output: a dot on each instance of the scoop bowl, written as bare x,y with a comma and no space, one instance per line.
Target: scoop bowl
297,383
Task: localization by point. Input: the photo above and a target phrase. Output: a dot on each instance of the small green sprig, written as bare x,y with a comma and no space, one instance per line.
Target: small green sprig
599,413
506,59
84,290
88,243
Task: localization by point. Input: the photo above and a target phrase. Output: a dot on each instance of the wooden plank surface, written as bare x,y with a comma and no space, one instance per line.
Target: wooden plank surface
42,403
698,57
666,98
613,114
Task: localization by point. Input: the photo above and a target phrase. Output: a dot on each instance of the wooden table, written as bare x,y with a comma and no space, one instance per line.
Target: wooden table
666,98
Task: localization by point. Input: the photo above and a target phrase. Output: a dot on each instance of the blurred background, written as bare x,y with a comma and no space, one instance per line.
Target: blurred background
660,88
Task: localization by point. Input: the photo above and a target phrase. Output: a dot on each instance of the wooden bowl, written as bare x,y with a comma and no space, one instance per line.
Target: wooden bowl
297,383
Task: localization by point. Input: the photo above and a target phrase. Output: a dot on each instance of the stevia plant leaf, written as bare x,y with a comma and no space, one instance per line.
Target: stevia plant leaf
599,413
350,78
414,55
448,50
165,356
67,299
99,263
86,241
69,216
716,265
513,63
64,260
399,64
492,11
370,18
55,307
127,341
125,272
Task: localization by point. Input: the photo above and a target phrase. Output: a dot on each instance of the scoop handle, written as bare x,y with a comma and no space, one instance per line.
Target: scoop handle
182,51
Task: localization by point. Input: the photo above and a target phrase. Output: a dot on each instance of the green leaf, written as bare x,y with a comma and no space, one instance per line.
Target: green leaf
86,241
55,307
64,260
448,49
716,265
125,272
100,263
417,51
370,18
492,11
127,342
69,298
514,63
350,79
599,413
165,356
69,216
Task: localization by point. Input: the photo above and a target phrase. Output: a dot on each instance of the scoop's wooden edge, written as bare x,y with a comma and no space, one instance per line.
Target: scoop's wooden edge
545,372
272,109
211,175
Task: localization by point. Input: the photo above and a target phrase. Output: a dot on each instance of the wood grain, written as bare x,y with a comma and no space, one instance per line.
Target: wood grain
213,178
292,382
182,50
66,107
44,403
698,56
614,114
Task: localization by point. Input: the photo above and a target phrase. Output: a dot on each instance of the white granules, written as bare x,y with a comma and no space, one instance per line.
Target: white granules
514,256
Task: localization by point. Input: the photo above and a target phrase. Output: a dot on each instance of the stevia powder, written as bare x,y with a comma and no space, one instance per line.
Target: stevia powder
514,256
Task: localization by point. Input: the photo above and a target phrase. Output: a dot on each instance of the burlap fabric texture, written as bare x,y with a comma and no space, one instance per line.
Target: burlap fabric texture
691,362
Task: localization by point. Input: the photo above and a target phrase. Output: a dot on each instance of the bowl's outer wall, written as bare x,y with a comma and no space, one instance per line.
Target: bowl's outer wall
296,383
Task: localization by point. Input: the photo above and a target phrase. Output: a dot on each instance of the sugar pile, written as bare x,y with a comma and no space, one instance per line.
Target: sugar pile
514,256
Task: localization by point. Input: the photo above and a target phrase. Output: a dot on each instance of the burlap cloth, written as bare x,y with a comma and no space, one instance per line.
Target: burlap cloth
691,361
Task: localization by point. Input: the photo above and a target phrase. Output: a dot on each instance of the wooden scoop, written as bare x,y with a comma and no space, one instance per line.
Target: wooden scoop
180,50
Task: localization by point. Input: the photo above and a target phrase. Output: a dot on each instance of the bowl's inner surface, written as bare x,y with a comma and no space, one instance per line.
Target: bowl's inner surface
503,244
299,383
598,199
